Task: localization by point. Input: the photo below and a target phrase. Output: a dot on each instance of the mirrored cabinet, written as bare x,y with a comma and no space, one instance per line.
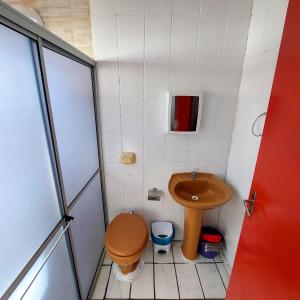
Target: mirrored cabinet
183,112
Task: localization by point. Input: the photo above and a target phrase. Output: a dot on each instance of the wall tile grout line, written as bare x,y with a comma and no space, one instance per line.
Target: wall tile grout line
165,112
120,102
144,101
170,50
197,45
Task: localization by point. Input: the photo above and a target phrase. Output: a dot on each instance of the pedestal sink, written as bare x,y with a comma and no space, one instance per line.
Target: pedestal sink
197,192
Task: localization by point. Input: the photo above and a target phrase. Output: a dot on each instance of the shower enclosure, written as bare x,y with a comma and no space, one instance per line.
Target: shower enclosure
52,219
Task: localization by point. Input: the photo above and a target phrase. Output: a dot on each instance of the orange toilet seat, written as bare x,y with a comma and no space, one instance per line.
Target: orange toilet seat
125,240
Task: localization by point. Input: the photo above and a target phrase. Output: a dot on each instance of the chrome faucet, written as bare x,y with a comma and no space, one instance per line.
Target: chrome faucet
194,174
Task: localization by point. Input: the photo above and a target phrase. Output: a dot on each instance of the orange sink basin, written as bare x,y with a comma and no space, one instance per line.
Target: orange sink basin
196,192
204,191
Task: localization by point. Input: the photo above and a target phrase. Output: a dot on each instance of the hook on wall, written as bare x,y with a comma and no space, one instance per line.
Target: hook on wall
255,122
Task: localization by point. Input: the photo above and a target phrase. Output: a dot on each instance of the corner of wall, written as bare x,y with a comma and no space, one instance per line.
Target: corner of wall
256,83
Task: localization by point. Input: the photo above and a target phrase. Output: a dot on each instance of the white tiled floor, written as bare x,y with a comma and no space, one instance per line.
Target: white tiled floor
117,289
188,282
211,281
143,288
170,277
165,281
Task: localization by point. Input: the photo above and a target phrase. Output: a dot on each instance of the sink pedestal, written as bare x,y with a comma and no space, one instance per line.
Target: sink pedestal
192,230
196,194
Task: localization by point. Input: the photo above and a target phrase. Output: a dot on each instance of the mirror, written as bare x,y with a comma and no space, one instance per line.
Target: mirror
184,113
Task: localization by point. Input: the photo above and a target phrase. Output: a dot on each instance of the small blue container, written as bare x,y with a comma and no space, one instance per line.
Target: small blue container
207,254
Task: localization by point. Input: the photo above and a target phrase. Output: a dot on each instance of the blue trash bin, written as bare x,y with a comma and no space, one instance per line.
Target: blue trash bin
162,234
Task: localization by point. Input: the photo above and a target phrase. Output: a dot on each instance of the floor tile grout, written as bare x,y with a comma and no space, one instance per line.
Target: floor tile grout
200,281
106,287
181,263
130,290
221,276
176,275
175,272
177,263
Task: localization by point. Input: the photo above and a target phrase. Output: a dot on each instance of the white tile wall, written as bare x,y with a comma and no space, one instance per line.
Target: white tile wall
219,149
111,146
144,49
214,7
106,30
259,66
198,149
238,7
131,32
103,7
158,7
131,7
210,52
186,8
157,39
184,41
108,78
110,115
132,115
148,254
115,199
176,148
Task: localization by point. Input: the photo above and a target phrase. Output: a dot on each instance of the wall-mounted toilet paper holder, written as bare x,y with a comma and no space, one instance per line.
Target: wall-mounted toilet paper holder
154,194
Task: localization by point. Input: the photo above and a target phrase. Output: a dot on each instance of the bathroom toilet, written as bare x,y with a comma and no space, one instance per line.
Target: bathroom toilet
125,240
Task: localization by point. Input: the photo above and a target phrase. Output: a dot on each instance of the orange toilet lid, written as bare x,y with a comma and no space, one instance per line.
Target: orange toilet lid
126,235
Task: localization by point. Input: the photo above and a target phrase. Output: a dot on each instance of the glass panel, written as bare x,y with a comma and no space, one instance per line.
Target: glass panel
56,279
71,95
88,232
184,113
29,202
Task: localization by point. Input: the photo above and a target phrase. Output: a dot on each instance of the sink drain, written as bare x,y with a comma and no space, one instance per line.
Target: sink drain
194,197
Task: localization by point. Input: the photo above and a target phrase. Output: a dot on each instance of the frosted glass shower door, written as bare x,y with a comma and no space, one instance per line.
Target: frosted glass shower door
55,280
29,203
88,233
71,96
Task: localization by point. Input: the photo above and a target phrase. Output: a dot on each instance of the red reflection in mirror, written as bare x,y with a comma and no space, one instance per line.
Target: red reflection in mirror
185,113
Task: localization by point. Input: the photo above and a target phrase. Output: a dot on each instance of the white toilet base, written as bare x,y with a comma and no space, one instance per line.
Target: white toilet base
130,277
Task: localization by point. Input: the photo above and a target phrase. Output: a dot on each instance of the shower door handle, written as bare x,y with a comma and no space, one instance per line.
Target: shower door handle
249,204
